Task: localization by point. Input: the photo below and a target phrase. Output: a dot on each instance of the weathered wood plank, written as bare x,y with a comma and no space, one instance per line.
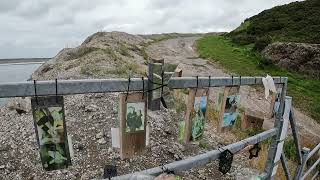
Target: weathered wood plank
131,143
193,93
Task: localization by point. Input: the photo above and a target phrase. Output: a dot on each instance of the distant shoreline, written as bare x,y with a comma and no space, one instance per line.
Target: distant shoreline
24,61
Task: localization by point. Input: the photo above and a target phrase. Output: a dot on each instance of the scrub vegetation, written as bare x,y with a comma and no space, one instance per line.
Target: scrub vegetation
294,22
243,60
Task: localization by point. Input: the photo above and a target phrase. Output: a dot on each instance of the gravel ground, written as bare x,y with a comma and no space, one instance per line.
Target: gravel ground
89,120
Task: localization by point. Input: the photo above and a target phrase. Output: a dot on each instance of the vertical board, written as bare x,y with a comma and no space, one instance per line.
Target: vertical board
196,114
283,133
115,140
154,74
229,108
50,127
275,102
132,114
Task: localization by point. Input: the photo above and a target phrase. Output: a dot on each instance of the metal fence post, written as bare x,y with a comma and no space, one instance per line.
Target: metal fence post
284,163
299,172
276,146
295,135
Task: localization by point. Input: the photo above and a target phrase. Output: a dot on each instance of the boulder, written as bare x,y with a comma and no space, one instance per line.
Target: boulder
21,105
297,57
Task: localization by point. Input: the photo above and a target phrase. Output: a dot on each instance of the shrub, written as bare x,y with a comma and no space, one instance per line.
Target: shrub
243,39
80,52
261,43
264,62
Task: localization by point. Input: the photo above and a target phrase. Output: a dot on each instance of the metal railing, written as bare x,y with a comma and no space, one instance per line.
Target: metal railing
307,154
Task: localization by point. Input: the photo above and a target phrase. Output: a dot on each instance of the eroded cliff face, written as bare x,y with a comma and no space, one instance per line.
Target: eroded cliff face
297,57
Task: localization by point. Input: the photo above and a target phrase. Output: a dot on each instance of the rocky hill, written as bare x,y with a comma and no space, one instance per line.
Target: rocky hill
298,57
114,54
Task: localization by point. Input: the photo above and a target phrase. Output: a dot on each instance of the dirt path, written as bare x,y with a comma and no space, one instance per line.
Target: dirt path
180,51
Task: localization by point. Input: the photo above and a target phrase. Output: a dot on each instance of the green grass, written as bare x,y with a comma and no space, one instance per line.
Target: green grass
290,149
241,60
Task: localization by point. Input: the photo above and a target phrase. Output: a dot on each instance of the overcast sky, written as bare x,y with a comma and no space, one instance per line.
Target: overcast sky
40,28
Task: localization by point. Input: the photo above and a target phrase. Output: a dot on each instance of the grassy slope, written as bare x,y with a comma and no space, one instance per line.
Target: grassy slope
294,22
241,61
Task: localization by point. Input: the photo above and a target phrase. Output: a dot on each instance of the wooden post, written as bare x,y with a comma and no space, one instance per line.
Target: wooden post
157,60
229,90
193,93
132,140
154,68
177,73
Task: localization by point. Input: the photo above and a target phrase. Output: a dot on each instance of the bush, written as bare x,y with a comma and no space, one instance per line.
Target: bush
243,39
264,62
261,43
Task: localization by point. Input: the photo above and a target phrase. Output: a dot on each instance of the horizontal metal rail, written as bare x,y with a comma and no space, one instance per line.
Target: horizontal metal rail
191,82
205,158
314,150
83,86
67,87
311,168
315,175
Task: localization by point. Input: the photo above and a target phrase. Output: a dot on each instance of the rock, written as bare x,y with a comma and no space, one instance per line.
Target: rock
21,105
2,166
301,57
102,141
91,108
99,135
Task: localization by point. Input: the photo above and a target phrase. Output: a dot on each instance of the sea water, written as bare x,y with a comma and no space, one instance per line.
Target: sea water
17,72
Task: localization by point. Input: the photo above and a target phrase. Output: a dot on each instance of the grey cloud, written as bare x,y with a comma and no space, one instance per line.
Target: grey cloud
37,28
161,4
6,6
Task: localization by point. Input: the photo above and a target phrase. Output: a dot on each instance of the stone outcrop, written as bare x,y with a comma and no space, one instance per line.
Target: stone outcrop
297,57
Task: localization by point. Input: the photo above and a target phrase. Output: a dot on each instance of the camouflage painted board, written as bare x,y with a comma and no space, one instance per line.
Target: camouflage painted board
50,127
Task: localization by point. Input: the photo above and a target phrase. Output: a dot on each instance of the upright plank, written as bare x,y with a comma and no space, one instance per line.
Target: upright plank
131,143
177,73
193,93
229,90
